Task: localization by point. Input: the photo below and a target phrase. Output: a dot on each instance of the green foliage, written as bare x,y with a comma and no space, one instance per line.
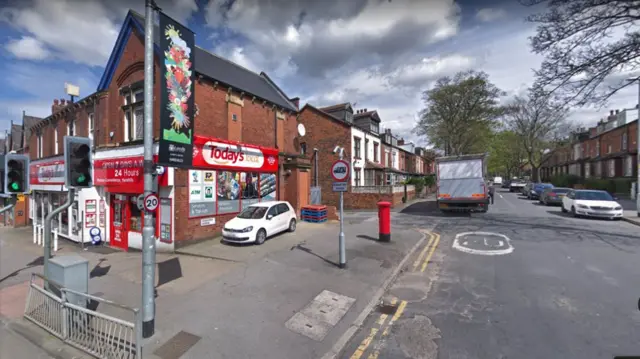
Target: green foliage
614,185
505,153
417,182
430,180
460,113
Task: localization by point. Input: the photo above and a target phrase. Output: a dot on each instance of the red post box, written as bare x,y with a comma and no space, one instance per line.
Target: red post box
384,221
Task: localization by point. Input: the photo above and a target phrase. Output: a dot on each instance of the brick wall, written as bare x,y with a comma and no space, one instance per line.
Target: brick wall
324,133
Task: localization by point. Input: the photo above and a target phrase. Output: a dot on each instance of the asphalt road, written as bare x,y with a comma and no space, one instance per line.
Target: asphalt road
536,284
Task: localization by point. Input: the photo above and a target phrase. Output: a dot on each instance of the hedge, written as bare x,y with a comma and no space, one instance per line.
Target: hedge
614,185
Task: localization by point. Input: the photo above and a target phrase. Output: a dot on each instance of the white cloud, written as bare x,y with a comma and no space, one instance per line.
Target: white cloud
490,14
28,48
82,32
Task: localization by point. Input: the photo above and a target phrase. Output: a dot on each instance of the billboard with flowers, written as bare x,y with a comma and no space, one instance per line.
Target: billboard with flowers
177,44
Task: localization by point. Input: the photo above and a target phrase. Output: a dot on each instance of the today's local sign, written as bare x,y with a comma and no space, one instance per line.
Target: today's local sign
218,154
49,172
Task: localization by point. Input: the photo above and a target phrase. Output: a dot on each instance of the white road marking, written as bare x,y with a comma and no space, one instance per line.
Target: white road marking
485,241
485,252
500,195
500,243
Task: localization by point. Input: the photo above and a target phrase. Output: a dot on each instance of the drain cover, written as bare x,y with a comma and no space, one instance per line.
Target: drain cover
320,315
175,347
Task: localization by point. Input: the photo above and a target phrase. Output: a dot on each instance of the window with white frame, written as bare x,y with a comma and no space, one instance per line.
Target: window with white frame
55,140
587,170
628,166
133,115
611,171
90,126
624,142
608,148
357,177
39,145
599,169
598,147
71,130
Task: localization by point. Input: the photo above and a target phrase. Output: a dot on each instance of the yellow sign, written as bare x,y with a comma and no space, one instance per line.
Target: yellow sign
20,198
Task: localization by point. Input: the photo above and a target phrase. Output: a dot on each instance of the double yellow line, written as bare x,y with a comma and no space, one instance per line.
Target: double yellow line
434,239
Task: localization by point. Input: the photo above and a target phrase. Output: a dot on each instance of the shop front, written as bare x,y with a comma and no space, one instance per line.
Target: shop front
48,192
227,177
120,176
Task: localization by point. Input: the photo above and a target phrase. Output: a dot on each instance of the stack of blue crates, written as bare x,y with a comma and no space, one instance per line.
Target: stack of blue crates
314,213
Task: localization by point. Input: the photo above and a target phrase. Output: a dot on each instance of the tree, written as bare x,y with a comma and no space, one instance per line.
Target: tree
460,112
536,120
588,46
506,153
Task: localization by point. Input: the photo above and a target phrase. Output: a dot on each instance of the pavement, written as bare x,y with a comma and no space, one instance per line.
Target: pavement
521,281
284,299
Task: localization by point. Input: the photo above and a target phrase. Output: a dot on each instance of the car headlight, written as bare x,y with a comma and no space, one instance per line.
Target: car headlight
248,229
617,208
582,206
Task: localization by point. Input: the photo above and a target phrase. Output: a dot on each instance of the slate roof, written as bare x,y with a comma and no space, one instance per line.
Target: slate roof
206,64
27,123
16,137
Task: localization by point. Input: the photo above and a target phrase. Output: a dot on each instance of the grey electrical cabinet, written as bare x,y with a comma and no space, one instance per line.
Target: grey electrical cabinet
71,272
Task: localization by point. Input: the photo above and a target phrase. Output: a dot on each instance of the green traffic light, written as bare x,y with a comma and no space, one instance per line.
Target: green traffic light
82,179
15,186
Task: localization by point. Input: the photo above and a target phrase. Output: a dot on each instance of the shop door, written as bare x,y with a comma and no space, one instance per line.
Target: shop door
119,233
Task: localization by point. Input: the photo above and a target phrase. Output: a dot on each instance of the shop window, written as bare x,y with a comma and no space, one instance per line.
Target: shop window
135,217
76,225
268,187
229,192
249,183
64,216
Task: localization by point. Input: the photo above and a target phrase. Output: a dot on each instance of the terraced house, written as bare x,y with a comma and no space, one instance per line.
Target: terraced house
603,156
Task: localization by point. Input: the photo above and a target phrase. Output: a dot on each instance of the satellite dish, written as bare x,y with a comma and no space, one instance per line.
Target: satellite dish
301,130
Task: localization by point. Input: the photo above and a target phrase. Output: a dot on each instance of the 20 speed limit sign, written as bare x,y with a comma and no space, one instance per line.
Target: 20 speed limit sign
340,171
151,202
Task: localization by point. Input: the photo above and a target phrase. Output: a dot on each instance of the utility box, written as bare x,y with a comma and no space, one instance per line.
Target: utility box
70,272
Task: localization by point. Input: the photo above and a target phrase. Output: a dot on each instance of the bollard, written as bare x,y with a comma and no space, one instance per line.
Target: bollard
35,234
384,221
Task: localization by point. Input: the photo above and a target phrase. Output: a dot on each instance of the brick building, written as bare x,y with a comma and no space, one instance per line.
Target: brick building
377,167
236,110
605,151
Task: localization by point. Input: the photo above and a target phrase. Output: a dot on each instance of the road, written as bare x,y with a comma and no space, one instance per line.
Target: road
539,285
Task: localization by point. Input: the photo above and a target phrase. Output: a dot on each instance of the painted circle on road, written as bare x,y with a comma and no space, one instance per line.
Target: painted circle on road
340,171
483,243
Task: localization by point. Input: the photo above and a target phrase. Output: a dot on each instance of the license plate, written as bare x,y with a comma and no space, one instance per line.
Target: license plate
444,205
561,196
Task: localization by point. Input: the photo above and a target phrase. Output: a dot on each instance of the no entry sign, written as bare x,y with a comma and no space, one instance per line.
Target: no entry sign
340,171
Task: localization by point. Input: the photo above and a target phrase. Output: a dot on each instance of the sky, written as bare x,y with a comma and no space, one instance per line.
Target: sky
376,54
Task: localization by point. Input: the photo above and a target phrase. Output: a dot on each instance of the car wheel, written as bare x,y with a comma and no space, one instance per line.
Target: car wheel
573,211
261,236
563,209
292,225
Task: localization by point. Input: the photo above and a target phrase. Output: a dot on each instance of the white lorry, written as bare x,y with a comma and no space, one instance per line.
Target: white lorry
461,183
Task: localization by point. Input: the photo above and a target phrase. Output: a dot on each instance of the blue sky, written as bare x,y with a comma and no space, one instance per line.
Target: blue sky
379,54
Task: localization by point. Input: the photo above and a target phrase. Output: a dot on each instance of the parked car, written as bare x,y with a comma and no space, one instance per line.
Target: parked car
537,189
592,203
526,189
516,185
260,221
553,195
506,184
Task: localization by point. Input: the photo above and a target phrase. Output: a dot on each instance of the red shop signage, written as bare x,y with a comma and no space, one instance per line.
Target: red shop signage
49,172
216,154
122,175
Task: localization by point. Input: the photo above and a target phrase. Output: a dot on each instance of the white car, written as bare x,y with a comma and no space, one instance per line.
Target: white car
497,181
260,221
591,203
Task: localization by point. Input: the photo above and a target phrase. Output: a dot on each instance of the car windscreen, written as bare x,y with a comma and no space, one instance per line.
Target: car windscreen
543,185
561,190
253,212
594,196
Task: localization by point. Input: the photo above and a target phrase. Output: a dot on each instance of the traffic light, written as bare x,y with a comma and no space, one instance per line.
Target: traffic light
77,162
16,174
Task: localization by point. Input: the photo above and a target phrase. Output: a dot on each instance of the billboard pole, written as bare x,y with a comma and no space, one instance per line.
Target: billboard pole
148,230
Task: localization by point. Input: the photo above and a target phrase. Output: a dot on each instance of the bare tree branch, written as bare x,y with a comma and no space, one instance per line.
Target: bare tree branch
588,47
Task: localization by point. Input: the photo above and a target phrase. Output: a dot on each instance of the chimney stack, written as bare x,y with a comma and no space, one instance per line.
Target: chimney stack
611,113
617,112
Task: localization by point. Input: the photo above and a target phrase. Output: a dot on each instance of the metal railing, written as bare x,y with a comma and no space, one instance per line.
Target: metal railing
101,335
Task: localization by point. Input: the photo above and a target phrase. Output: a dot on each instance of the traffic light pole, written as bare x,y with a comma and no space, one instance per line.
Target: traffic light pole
47,230
148,230
12,202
